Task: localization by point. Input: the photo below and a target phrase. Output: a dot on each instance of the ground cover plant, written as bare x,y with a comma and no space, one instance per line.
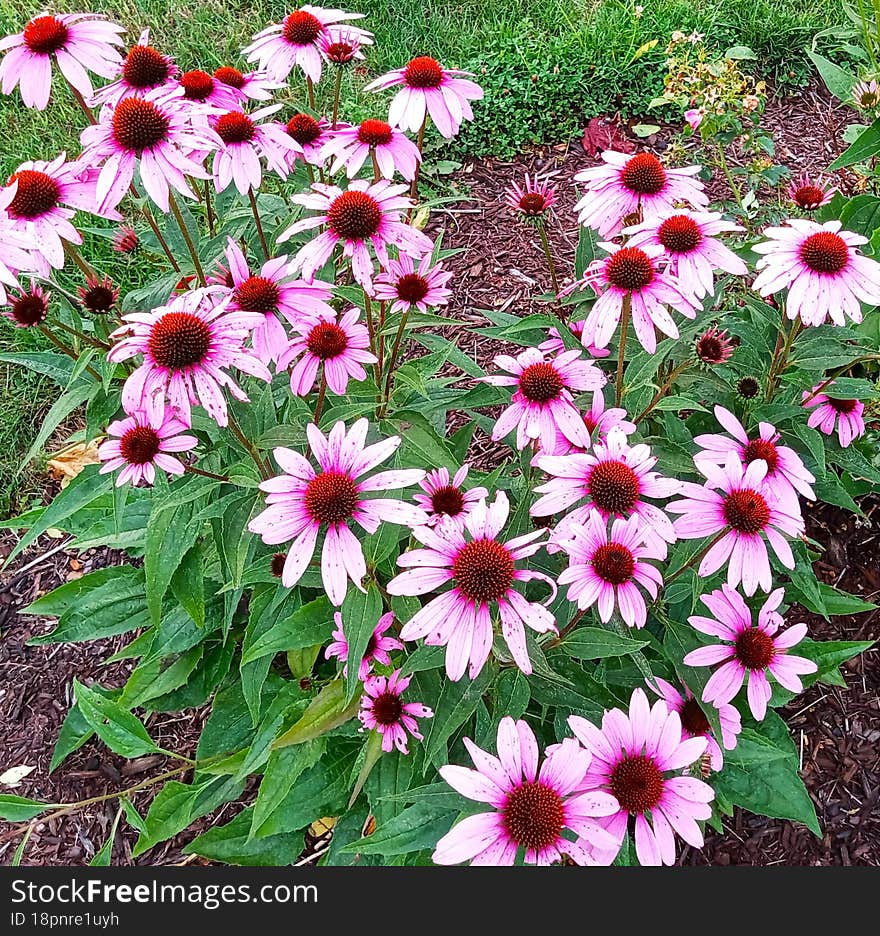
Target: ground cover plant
596,619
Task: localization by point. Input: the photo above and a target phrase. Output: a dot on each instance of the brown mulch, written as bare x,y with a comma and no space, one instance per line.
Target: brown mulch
501,269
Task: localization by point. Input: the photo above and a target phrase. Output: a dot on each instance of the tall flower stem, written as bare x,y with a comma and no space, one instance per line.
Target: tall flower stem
85,267
191,469
376,172
88,339
209,210
780,359
253,200
61,346
697,557
319,403
734,187
392,361
191,247
380,353
420,144
80,100
625,313
674,374
154,227
249,447
336,89
545,243
371,329
310,85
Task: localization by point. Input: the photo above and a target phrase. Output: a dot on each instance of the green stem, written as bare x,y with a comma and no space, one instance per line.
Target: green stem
722,160
154,227
420,144
376,173
250,448
381,350
85,267
190,246
336,89
392,361
253,200
780,361
88,339
310,85
674,374
545,243
82,104
319,404
68,351
625,313
205,474
209,210
697,557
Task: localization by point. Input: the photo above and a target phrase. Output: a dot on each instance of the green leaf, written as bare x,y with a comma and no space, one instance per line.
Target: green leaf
841,602
170,535
282,771
838,81
59,411
416,828
19,808
371,754
829,654
232,845
311,624
121,731
596,643
456,704
57,366
188,584
511,696
360,614
103,856
327,711
866,145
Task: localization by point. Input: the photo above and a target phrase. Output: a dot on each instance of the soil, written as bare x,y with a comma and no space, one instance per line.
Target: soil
501,269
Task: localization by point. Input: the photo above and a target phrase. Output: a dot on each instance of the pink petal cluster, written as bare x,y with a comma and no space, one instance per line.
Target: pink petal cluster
141,443
244,141
351,147
828,410
407,286
445,500
377,649
383,710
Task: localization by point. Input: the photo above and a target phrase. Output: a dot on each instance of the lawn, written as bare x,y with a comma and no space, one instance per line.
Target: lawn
545,64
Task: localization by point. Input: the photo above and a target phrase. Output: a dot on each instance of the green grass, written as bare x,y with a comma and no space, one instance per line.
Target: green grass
546,65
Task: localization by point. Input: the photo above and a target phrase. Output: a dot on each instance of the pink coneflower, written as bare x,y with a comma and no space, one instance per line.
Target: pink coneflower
446,501
204,88
613,480
429,88
753,650
822,268
353,146
531,807
339,346
482,572
599,422
155,132
141,444
738,508
255,85
99,295
555,345
295,41
409,287
810,194
383,710
866,94
637,185
340,45
638,274
542,402
605,568
532,200
849,415
363,214
186,346
39,191
310,136
302,501
244,142
125,239
377,646
28,308
633,757
272,292
15,255
786,475
694,723
714,346
80,42
145,69
689,239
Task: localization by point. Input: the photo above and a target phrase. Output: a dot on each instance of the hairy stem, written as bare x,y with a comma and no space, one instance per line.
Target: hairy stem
154,227
625,313
674,374
209,209
249,447
545,243
336,89
253,200
190,246
392,361
61,346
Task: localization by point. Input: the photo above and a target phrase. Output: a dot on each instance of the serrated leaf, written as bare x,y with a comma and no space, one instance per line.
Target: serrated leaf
360,614
416,828
326,711
121,731
20,808
231,844
311,624
596,643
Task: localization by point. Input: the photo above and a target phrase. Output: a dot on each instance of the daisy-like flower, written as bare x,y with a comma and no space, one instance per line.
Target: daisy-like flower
632,185
27,308
125,239
605,568
810,194
364,214
155,132
145,69
426,87
186,346
141,443
310,136
98,296
295,41
866,94
255,85
80,43
15,255
714,346
340,45
639,275
531,807
38,191
446,501
339,346
639,758
822,268
409,287
532,200
272,292
383,710
754,650
694,723
302,501
737,502
786,474
377,650
204,88
555,345
848,414
246,138
353,146
482,572
542,402
690,240
613,480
